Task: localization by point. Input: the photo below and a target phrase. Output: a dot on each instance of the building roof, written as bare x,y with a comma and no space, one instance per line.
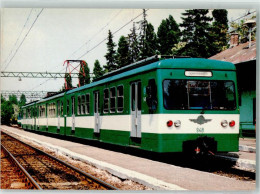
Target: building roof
237,54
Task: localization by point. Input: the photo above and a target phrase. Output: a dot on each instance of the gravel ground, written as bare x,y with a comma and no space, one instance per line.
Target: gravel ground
121,184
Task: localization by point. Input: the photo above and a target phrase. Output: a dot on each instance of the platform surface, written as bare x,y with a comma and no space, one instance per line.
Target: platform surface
186,178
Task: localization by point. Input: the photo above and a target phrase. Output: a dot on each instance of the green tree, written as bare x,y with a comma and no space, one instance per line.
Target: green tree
133,42
219,30
151,45
68,84
142,36
13,99
84,76
2,99
168,35
6,112
196,28
111,54
22,100
98,70
243,31
122,55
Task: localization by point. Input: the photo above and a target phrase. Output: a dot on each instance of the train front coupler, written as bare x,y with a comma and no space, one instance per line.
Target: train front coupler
202,146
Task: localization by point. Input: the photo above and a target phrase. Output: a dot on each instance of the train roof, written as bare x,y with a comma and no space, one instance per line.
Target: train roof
30,103
51,97
176,63
155,62
44,99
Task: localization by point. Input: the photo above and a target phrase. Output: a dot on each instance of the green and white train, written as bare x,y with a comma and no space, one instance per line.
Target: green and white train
159,104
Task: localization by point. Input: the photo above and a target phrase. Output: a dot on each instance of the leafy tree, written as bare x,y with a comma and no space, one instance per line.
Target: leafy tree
142,36
14,116
111,53
168,35
84,77
219,30
243,30
122,55
98,70
22,100
196,33
133,42
68,84
177,47
2,99
13,99
6,112
151,45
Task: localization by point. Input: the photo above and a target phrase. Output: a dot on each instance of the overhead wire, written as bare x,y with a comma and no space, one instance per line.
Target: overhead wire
93,36
97,45
29,15
24,38
112,34
249,13
97,33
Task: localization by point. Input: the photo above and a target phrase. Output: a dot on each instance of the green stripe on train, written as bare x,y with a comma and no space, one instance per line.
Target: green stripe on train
149,141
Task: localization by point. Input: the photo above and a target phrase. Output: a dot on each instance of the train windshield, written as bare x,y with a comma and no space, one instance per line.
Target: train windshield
198,94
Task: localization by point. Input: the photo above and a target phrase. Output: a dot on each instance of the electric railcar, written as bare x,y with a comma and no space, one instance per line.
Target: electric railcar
157,104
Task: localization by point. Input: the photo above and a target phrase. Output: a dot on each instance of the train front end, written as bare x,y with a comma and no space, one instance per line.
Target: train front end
199,106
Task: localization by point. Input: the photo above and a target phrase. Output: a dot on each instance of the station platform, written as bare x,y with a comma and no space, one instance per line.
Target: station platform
154,174
245,159
247,144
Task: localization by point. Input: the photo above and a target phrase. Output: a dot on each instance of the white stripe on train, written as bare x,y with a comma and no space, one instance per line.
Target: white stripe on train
152,123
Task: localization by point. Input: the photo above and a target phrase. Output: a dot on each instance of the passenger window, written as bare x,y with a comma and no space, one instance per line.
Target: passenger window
58,105
29,113
73,105
151,91
112,100
87,103
51,110
54,110
83,104
68,107
133,96
120,98
96,102
79,105
106,101
139,96
61,107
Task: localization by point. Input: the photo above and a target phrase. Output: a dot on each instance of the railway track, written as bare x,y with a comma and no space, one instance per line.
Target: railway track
47,171
18,178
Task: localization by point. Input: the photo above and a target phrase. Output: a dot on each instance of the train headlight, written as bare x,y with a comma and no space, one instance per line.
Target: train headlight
224,123
177,123
232,123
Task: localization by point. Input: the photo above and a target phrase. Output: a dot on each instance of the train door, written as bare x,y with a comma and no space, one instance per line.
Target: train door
97,112
34,117
58,111
73,114
38,117
66,116
136,109
47,115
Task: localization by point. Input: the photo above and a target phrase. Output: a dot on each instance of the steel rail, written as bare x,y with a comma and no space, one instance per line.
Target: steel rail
31,180
102,183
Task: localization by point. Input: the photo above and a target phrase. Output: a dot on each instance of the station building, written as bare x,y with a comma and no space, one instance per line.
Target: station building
244,57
